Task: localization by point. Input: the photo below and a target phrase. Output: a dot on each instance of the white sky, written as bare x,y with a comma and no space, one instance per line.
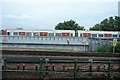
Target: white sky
45,14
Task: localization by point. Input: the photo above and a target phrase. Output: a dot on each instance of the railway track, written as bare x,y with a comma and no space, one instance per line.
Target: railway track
58,53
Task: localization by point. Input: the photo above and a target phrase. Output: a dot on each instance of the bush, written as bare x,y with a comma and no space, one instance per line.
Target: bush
117,48
103,49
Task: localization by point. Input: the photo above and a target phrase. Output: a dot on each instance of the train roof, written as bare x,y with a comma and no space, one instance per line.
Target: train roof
62,30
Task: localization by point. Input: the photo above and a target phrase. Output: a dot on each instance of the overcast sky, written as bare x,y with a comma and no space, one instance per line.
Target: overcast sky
46,14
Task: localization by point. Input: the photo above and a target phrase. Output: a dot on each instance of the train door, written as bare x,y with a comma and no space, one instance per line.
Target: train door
76,33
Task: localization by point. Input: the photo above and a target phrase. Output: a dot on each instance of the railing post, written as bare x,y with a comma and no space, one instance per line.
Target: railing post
23,66
109,63
90,66
53,68
41,75
36,67
98,68
18,67
119,69
63,68
90,69
46,71
4,68
75,69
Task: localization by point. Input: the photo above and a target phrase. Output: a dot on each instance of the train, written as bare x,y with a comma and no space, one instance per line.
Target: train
60,33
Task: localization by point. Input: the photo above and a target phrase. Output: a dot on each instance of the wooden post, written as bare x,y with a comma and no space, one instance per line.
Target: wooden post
23,66
36,67
53,68
98,68
18,67
63,68
41,75
4,69
75,69
109,69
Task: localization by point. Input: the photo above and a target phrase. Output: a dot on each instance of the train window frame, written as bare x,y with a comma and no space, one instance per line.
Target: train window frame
2,32
36,34
99,35
94,35
114,35
65,34
80,34
43,34
22,33
30,34
107,35
57,34
71,34
8,33
87,35
50,34
15,33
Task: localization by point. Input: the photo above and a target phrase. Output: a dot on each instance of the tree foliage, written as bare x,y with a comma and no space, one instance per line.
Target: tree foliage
69,25
104,48
117,48
110,24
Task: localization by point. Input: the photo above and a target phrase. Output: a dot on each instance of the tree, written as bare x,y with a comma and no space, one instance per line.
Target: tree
95,28
110,24
69,25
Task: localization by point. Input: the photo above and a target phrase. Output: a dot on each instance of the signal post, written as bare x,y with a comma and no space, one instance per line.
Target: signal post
114,44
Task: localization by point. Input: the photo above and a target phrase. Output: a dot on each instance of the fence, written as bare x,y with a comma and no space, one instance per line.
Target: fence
59,69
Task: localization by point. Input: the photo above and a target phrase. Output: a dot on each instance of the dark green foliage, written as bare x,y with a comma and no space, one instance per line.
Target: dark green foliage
117,49
69,25
110,24
103,48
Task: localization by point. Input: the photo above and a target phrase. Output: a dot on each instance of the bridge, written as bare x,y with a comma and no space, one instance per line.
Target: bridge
63,43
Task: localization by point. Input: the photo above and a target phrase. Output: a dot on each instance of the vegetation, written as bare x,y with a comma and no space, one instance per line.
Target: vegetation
110,24
117,49
69,25
103,48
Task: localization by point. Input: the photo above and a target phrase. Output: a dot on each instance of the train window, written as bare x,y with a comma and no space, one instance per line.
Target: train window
8,33
87,34
114,35
76,33
100,35
15,33
80,35
71,35
94,35
108,35
43,33
36,34
58,34
65,34
51,34
2,32
28,34
21,33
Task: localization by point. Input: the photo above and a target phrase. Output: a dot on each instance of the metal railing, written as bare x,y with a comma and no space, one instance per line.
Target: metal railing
56,68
